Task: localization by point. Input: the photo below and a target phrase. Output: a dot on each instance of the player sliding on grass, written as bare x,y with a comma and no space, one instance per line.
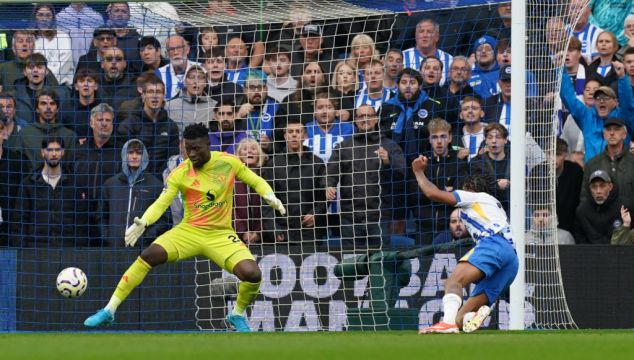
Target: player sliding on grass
491,264
205,181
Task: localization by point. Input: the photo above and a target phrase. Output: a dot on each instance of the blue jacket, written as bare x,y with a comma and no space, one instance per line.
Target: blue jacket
588,119
485,82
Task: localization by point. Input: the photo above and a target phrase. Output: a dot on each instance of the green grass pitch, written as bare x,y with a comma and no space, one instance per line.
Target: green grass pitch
393,345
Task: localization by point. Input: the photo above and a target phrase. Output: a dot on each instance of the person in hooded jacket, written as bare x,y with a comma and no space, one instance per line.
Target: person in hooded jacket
127,195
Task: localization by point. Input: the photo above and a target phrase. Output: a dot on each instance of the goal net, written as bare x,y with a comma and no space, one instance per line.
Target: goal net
306,94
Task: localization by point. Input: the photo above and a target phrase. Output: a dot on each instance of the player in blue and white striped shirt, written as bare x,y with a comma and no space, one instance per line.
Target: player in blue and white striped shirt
492,264
427,36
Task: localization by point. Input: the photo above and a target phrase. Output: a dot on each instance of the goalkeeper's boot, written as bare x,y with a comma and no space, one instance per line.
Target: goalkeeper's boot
440,328
239,322
102,317
477,320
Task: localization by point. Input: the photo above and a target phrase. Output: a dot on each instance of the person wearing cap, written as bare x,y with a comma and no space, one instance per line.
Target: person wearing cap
280,83
150,53
79,20
191,105
173,74
497,108
616,160
309,48
103,38
486,70
599,215
427,35
607,104
260,110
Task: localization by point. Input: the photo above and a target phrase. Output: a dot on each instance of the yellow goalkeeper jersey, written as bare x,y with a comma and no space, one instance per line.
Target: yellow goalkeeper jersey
207,192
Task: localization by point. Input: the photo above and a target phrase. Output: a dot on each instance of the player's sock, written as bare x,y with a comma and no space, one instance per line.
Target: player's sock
130,279
246,294
451,303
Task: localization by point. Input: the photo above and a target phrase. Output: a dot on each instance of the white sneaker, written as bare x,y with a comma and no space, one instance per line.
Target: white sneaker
478,319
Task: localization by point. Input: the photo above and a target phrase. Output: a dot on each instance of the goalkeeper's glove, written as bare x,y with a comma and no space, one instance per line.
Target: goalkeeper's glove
134,232
275,203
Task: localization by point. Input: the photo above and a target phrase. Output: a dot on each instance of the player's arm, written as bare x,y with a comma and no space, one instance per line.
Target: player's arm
244,174
154,212
430,189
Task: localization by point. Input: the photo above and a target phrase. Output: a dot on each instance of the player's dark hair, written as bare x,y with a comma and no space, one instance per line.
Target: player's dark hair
479,182
196,131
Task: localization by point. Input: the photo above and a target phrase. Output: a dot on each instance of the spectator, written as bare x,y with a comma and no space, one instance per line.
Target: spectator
12,124
223,135
30,138
344,85
427,36
207,39
309,49
575,67
76,114
326,131
555,34
35,78
598,215
405,117
457,87
127,35
126,195
173,74
455,232
623,235
365,198
280,83
590,121
363,53
628,61
393,61
23,43
103,39
443,106
12,170
150,53
219,87
97,158
151,124
51,208
497,109
583,30
116,84
540,231
629,33
247,204
373,93
298,177
79,20
259,111
446,171
495,160
135,102
237,56
486,70
569,176
176,207
159,19
300,104
571,132
472,134
601,67
503,56
54,44
616,160
191,106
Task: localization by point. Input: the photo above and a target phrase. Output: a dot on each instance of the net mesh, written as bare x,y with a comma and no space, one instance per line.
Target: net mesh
342,258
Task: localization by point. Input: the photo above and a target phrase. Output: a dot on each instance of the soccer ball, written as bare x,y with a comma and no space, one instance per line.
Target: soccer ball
71,282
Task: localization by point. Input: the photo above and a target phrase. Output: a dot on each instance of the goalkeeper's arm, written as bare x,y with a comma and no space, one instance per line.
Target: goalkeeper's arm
261,187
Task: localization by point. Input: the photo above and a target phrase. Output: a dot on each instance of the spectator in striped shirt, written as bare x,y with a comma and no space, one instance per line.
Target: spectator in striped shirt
471,113
373,93
586,32
427,36
173,74
326,130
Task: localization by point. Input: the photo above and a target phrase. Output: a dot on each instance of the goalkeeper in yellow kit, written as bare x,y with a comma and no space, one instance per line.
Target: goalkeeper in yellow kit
205,181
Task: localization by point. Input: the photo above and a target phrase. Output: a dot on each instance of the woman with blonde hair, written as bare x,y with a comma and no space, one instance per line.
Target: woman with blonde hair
601,67
344,86
362,51
247,204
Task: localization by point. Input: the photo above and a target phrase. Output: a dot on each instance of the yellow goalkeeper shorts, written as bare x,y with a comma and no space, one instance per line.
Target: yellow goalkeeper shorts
223,247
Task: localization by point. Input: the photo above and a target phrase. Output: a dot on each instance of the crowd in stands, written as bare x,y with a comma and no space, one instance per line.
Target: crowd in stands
93,105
